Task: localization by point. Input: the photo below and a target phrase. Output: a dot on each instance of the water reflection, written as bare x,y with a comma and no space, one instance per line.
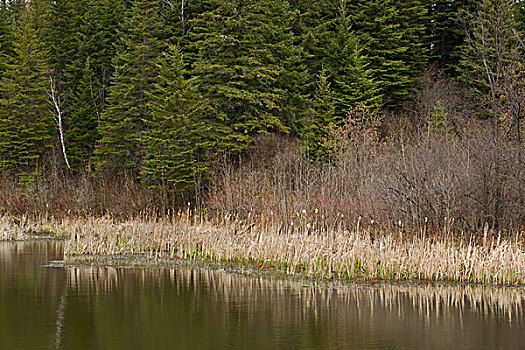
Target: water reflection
118,308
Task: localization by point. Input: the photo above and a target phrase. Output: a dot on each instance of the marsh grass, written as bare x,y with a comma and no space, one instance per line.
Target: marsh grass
301,250
24,227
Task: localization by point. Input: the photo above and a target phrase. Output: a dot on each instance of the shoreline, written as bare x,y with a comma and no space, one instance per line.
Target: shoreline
338,254
127,262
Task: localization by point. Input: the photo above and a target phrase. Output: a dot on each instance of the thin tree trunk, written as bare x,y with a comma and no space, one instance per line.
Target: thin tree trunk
58,118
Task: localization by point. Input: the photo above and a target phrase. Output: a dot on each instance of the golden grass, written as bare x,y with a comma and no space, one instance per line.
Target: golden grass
23,228
303,248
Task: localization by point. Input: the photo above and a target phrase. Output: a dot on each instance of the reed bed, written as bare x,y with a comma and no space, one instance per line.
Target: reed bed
24,227
303,249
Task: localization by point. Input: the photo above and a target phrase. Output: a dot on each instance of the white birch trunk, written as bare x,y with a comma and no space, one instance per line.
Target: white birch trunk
58,117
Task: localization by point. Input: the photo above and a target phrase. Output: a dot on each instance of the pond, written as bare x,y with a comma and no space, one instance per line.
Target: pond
49,307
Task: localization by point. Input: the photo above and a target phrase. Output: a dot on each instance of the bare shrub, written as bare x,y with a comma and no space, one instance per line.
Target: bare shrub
436,184
435,88
64,194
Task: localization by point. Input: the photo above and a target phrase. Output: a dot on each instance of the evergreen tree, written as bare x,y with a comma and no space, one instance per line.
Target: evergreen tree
351,79
97,37
123,121
445,31
413,20
83,134
176,139
492,61
39,15
520,16
17,8
314,25
26,122
322,116
385,44
62,21
6,35
179,17
294,75
239,68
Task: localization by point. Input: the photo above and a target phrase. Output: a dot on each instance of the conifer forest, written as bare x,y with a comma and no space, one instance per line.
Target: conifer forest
403,113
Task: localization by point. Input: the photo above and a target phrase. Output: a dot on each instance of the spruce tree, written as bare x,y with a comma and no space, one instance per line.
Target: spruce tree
26,122
385,44
445,31
17,9
520,17
176,141
97,37
62,21
351,80
294,75
322,117
123,121
6,35
413,19
492,61
239,68
83,134
314,25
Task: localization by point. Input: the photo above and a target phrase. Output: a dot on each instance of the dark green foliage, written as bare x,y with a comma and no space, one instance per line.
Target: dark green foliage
413,20
446,32
176,142
123,121
87,76
351,80
6,35
83,134
26,122
314,25
62,21
322,116
240,66
491,58
97,39
294,75
520,17
386,45
17,8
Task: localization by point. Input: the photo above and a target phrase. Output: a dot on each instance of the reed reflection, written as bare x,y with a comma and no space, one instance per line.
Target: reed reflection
296,314
183,307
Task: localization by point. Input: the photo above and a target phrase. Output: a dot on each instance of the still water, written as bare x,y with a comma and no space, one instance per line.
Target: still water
43,307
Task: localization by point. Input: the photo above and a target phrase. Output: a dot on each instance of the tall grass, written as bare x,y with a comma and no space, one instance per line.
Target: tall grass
301,250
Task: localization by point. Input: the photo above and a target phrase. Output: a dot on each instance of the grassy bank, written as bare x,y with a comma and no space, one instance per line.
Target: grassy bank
434,207
302,249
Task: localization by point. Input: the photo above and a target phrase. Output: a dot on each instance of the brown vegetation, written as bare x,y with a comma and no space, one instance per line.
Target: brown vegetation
440,198
303,250
436,184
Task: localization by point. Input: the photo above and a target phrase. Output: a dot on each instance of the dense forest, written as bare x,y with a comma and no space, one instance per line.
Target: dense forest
167,93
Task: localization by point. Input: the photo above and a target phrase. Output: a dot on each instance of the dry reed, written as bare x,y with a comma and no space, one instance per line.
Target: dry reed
302,249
